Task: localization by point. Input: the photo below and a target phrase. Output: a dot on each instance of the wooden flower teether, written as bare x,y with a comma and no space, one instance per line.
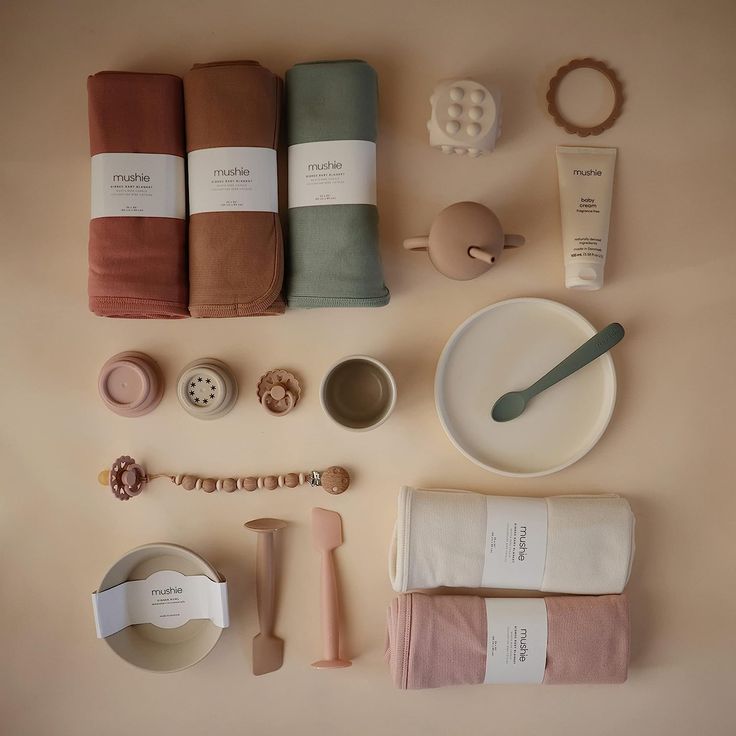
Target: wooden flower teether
126,479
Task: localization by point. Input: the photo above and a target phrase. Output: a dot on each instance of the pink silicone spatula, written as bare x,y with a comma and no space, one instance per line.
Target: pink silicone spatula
327,535
268,649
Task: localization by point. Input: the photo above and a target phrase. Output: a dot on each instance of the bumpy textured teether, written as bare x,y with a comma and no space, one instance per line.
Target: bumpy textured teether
466,117
126,479
278,391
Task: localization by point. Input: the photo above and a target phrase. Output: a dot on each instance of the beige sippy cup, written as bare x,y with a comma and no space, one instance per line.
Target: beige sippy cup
465,240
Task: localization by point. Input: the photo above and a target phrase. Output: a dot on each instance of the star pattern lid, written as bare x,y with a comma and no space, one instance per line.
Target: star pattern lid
207,388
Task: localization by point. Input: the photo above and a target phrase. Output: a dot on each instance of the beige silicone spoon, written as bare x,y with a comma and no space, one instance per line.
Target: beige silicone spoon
268,650
327,535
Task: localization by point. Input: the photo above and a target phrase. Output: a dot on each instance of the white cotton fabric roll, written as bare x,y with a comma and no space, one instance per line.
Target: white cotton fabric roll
439,541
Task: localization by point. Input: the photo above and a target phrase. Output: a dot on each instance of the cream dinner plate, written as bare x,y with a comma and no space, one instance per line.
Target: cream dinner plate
508,346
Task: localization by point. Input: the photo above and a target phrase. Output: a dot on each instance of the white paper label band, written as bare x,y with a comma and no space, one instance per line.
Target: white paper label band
515,543
138,185
516,640
166,599
332,172
233,179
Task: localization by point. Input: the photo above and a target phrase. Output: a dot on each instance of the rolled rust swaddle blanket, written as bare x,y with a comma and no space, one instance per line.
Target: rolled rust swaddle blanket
137,232
235,241
333,257
439,640
560,544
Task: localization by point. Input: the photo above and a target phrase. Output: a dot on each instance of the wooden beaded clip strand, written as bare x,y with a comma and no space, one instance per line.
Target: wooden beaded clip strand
126,479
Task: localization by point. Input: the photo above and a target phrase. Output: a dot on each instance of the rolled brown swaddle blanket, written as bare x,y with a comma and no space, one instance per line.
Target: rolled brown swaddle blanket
137,233
438,640
236,262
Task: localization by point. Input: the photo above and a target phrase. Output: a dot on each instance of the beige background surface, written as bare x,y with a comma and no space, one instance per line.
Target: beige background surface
670,281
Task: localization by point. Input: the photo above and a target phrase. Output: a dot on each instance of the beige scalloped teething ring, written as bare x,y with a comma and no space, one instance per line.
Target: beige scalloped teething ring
554,86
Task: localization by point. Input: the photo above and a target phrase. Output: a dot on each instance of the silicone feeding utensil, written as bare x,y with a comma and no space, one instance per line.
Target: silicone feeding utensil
126,479
512,404
268,649
327,536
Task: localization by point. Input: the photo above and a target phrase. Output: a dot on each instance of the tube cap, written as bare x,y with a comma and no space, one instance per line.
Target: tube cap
584,275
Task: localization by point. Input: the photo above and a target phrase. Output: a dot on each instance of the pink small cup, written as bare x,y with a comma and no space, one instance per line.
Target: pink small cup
130,384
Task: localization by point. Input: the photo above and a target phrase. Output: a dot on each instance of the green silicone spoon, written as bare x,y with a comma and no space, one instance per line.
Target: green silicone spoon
512,404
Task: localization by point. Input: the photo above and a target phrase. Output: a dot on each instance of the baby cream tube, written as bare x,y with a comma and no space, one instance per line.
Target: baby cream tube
586,186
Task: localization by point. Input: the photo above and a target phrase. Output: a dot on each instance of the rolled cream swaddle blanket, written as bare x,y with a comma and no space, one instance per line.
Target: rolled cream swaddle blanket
560,544
332,117
235,241
439,640
137,231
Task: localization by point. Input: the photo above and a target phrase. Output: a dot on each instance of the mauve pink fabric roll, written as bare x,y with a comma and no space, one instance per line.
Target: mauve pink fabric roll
439,640
137,265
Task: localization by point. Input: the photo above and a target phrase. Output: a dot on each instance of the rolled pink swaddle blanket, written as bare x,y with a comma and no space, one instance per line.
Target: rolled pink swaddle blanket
439,640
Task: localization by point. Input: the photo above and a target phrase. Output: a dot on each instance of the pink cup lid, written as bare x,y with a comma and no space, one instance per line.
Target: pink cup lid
130,384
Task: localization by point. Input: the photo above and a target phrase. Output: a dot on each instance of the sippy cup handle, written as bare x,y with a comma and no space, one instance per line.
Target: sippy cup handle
419,243
513,241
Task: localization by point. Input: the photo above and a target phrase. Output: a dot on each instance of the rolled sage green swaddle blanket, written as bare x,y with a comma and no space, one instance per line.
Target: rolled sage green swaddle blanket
332,256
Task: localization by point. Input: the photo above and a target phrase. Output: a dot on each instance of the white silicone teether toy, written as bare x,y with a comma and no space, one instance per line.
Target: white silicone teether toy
466,117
